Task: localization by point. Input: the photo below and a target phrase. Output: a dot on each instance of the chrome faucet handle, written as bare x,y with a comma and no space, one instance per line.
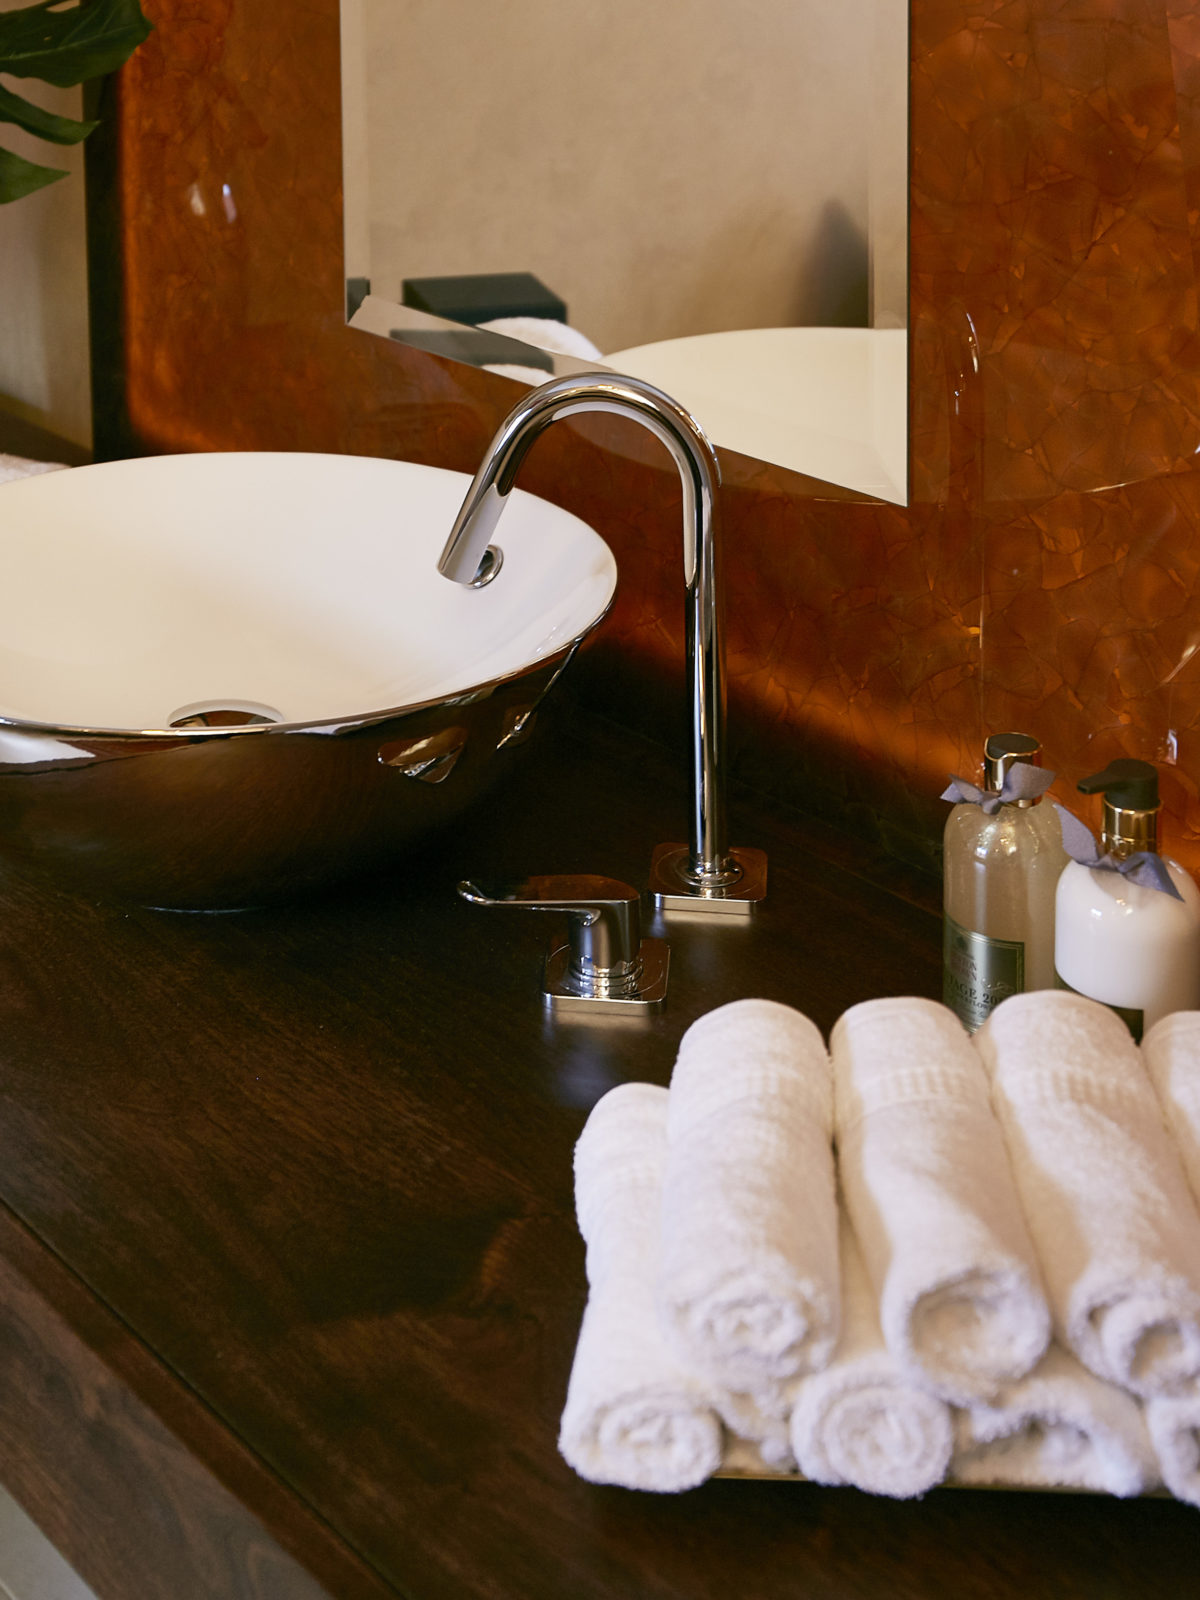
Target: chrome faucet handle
605,966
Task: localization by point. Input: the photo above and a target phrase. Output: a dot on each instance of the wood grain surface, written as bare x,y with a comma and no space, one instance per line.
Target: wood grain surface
302,1178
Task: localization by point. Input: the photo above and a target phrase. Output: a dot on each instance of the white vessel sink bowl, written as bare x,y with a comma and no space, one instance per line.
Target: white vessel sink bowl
226,678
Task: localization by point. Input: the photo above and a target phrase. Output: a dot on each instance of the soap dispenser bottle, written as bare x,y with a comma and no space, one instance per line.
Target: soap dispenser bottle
1003,856
1128,919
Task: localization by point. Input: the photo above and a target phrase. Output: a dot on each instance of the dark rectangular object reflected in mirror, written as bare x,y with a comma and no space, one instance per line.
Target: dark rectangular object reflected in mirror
357,290
482,296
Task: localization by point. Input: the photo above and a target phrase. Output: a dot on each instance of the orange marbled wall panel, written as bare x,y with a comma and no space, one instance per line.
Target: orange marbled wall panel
1044,575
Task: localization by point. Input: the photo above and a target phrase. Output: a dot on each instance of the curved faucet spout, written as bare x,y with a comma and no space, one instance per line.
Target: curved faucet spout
699,469
707,874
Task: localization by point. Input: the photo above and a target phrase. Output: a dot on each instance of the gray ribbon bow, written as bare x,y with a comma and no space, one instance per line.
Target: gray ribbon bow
1144,868
1022,781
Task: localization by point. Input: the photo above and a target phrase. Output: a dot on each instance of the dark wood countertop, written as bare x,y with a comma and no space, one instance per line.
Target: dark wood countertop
289,1276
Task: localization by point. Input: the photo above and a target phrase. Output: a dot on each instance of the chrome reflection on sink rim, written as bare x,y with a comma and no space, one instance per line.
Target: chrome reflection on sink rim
222,818
263,725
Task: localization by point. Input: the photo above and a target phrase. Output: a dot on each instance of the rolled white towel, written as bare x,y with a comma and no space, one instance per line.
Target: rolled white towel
863,1420
749,1285
1174,1423
744,1459
1116,1230
1060,1426
927,1183
760,1424
634,1415
1171,1051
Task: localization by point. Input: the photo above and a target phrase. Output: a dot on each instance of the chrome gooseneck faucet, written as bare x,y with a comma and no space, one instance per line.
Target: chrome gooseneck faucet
705,874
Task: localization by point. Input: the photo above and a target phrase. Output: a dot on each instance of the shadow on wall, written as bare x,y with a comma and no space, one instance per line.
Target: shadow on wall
834,293
826,285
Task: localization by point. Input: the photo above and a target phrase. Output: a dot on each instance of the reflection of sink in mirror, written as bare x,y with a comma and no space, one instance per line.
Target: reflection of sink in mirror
224,678
829,402
752,172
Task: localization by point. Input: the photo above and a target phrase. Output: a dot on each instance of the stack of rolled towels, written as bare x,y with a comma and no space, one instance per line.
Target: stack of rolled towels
909,1258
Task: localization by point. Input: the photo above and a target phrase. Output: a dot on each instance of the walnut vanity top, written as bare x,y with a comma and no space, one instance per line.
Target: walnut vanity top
289,1275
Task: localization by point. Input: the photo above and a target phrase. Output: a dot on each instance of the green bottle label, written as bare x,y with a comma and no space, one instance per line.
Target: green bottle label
978,972
1133,1019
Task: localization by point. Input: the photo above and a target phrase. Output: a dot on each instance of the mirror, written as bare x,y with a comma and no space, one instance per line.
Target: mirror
708,196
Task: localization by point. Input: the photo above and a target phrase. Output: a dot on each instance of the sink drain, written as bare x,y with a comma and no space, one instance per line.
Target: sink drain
223,714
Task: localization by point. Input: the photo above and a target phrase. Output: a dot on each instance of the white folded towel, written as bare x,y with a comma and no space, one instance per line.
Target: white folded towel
1061,1426
1104,1193
633,1415
547,333
927,1183
1174,1423
863,1420
749,1286
1171,1051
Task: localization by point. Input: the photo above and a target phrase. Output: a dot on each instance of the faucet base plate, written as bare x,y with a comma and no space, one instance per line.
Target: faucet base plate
673,889
647,994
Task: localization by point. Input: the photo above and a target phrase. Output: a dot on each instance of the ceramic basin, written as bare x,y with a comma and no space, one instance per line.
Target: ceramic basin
229,678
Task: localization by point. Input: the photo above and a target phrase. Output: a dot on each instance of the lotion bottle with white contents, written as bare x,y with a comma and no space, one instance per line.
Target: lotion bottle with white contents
1003,856
1132,946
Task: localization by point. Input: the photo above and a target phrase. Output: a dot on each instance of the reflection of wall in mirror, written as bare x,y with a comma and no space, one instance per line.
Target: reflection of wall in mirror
887,166
667,170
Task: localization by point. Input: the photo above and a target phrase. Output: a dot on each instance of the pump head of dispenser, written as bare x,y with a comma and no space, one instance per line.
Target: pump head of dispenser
1004,750
1131,806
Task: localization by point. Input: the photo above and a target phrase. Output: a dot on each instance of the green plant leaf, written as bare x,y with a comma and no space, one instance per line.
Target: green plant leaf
69,44
19,177
59,130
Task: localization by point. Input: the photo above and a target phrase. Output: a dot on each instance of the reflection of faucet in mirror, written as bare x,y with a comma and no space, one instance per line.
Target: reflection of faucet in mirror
705,874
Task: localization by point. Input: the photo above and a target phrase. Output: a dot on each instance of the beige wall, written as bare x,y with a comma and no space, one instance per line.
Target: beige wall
667,166
43,282
887,167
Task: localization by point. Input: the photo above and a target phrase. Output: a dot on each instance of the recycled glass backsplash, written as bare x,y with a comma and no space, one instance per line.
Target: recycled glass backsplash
1044,576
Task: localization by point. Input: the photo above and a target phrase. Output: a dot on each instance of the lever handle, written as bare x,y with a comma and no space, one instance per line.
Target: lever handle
604,916
606,961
